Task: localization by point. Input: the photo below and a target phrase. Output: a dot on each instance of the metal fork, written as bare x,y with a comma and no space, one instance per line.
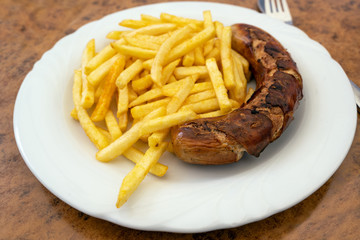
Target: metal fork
280,10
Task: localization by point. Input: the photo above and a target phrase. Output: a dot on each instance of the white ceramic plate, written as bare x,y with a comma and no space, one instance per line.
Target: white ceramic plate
189,198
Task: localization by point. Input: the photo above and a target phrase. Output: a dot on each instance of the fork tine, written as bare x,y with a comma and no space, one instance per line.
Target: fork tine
285,6
278,5
273,6
267,7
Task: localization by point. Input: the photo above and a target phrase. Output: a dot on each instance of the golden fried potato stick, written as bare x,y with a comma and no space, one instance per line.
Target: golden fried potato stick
142,43
137,52
204,106
135,155
149,18
159,60
218,84
89,127
167,121
180,21
125,141
239,92
141,111
135,24
129,73
226,58
168,71
123,121
157,137
109,88
96,76
199,58
190,44
218,28
200,96
182,72
123,100
105,54
88,91
116,35
142,83
112,125
189,59
138,173
244,62
147,96
180,96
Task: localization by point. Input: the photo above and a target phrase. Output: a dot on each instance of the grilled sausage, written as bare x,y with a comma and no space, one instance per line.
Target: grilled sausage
258,122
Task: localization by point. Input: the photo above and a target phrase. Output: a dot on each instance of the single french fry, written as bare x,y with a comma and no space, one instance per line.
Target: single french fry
166,121
147,96
214,53
200,96
123,100
157,40
129,73
88,91
182,72
168,71
204,106
159,60
109,88
73,114
226,58
239,92
218,28
125,141
219,87
135,24
172,88
136,42
189,59
142,84
105,54
211,114
112,125
180,21
116,35
134,155
142,110
123,121
157,137
101,71
134,51
244,62
138,173
199,56
178,99
200,87
89,127
189,45
149,18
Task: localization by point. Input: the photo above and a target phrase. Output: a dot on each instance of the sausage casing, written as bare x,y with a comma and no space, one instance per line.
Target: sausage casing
258,122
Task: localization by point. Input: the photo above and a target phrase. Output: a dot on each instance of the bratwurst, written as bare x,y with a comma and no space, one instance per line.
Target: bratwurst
224,139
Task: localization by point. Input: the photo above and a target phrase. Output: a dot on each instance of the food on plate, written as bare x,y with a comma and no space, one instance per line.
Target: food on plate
171,72
263,117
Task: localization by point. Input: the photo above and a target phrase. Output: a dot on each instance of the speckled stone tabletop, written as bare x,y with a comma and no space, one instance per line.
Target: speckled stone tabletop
30,211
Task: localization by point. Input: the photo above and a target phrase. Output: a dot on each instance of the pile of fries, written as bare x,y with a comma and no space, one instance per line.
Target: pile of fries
160,73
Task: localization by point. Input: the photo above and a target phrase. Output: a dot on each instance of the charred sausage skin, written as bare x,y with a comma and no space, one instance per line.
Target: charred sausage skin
257,123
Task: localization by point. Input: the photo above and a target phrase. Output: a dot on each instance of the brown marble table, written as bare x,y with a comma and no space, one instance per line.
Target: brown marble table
29,211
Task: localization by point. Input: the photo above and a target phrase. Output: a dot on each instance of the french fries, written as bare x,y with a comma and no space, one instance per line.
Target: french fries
156,73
